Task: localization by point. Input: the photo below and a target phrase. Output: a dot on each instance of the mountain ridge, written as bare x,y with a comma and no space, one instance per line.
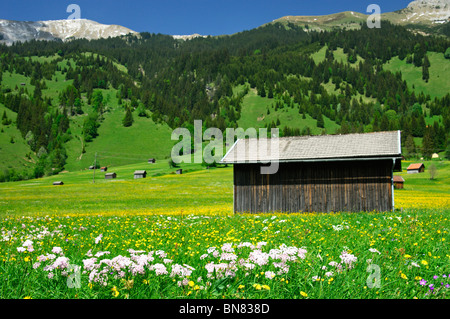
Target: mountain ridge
52,30
419,15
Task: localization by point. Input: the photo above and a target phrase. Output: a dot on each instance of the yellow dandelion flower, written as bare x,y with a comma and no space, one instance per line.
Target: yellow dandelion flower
304,294
424,262
403,276
265,287
115,292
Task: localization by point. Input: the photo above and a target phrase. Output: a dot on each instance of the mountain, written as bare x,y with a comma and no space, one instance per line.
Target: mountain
348,20
20,31
425,15
63,103
426,12
189,37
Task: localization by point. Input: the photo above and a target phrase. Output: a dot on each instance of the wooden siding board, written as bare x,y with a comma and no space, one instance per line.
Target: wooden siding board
320,187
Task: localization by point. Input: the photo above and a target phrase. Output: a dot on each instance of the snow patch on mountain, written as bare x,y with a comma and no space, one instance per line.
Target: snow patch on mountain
20,31
433,11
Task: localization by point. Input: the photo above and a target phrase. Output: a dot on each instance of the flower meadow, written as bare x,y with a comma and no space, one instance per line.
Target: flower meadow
183,256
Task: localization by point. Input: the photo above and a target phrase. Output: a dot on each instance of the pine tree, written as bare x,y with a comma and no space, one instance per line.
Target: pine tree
128,119
427,144
263,91
425,73
320,121
410,145
447,151
5,120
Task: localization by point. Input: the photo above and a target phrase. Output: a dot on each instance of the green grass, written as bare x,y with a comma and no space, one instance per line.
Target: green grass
14,155
438,84
13,80
117,145
254,114
339,56
80,195
185,215
422,182
120,67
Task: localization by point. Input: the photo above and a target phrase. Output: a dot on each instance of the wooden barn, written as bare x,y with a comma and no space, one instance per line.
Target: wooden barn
179,172
110,175
140,174
416,168
103,169
152,161
398,182
326,173
58,183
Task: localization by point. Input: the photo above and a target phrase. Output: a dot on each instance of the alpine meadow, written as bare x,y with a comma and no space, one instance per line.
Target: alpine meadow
93,204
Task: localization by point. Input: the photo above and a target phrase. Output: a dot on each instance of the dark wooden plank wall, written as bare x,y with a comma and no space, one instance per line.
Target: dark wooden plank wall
314,187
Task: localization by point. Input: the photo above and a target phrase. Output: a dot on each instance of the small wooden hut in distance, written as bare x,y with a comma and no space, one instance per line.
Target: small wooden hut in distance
398,182
140,174
328,173
416,168
110,175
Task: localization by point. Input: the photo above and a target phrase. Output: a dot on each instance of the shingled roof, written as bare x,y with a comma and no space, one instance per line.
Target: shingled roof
315,148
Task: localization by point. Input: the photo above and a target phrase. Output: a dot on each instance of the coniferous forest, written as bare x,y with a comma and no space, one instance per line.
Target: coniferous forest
176,82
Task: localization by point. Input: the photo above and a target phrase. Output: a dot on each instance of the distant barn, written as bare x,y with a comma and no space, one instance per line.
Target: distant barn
398,182
59,183
416,168
110,176
179,171
104,169
152,161
328,173
140,174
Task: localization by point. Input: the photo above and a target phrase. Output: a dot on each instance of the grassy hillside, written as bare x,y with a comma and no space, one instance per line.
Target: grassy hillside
115,145
14,151
118,145
439,82
338,54
254,114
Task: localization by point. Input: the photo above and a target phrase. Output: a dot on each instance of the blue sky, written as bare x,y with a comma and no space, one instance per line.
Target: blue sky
208,17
